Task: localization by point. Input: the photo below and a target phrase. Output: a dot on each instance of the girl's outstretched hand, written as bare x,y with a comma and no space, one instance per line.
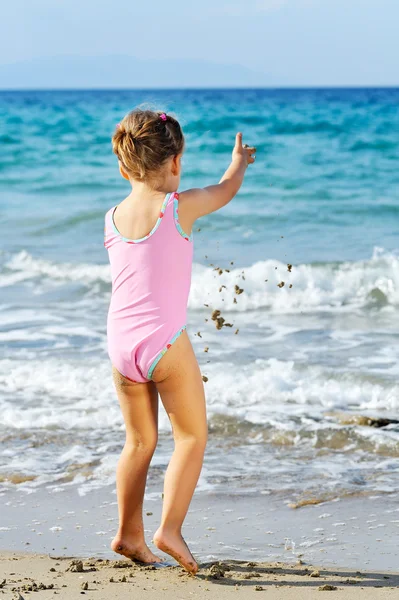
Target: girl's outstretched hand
198,202
243,153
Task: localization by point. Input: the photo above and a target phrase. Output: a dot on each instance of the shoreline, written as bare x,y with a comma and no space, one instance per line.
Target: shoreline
102,579
361,533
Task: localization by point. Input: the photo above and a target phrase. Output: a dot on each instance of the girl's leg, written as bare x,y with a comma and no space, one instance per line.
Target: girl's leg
139,404
179,382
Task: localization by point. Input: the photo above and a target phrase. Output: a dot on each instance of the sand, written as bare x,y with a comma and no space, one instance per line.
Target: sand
360,533
44,576
257,537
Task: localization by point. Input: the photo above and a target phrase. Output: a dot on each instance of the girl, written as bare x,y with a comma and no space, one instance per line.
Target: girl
149,241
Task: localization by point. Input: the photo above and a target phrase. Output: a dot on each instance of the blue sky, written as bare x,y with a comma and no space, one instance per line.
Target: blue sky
294,42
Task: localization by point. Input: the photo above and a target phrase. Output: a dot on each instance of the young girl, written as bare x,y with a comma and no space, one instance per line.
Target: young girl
149,241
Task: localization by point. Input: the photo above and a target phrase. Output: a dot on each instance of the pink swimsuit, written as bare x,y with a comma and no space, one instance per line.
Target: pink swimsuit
151,280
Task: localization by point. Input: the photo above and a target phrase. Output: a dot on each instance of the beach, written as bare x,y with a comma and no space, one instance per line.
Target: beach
359,533
302,390
99,579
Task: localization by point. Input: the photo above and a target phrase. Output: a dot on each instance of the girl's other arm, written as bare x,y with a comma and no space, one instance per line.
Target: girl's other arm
196,203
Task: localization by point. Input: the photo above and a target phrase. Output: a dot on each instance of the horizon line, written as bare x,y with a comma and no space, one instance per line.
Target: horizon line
204,88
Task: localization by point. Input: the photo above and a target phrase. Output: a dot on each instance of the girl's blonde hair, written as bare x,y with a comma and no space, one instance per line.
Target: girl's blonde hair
144,140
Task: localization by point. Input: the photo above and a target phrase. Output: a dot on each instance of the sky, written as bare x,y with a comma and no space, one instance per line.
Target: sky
282,42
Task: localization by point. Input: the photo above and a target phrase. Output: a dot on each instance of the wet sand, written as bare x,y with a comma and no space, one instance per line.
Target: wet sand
22,574
359,533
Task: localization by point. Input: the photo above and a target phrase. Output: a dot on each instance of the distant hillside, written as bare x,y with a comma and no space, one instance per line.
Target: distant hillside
126,72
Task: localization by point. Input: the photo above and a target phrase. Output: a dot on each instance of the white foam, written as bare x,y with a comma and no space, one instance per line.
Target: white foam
324,287
57,393
24,266
272,390
71,394
342,286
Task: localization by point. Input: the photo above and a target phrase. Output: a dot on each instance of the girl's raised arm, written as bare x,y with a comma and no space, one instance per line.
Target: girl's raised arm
198,202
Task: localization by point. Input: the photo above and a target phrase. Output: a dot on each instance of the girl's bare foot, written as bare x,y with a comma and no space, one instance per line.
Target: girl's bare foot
174,544
141,553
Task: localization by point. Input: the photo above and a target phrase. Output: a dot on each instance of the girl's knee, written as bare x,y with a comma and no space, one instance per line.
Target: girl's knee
142,445
197,440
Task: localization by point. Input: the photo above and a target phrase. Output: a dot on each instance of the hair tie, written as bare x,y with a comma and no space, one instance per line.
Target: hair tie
163,117
118,125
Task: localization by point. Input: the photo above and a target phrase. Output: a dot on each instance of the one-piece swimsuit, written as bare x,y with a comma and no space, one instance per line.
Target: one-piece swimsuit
151,279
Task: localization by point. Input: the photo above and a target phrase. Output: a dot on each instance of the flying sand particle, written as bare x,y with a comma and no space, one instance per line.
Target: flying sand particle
290,286
199,334
221,287
205,378
206,348
289,267
238,290
219,322
235,301
281,284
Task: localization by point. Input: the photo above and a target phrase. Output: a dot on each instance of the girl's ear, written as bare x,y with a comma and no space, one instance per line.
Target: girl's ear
123,173
176,164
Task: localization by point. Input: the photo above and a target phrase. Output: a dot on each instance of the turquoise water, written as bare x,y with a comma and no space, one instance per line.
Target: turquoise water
326,171
322,196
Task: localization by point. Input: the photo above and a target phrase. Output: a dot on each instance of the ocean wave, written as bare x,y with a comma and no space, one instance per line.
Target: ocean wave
22,266
7,139
62,422
375,144
67,394
328,286
292,128
271,389
30,399
307,287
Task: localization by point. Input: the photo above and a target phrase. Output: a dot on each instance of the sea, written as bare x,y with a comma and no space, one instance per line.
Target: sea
302,390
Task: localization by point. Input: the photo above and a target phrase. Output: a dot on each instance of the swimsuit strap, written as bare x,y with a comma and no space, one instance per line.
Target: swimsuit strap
172,197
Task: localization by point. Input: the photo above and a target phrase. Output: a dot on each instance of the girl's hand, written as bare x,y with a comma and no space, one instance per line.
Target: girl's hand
243,153
196,203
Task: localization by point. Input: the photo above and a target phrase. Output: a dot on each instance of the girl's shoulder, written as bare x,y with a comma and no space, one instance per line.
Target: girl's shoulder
109,230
